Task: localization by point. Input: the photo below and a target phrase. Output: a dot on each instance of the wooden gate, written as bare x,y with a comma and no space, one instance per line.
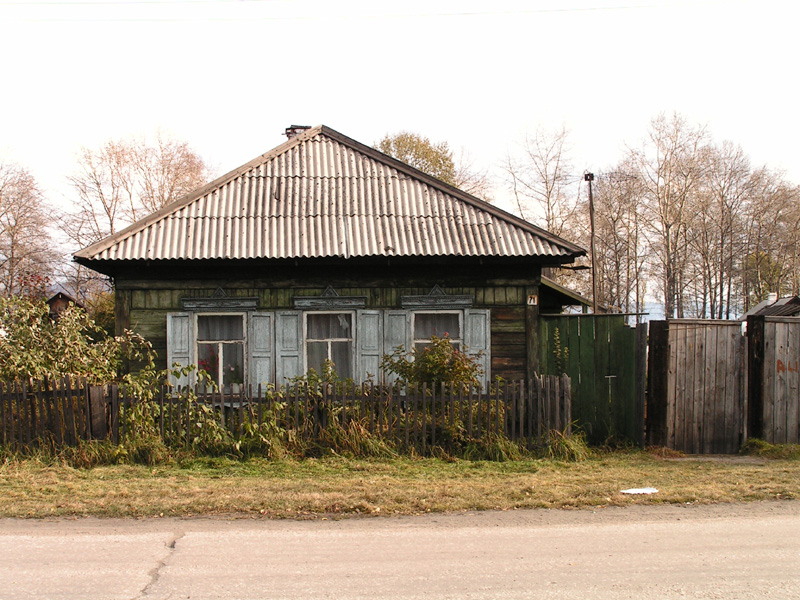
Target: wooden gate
606,362
774,380
696,386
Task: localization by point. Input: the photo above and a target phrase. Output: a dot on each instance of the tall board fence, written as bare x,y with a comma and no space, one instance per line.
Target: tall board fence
605,360
774,379
63,412
697,386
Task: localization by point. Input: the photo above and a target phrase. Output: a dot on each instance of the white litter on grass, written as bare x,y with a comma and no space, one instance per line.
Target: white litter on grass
640,491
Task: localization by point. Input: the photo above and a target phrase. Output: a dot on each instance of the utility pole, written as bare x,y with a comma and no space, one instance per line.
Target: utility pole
590,178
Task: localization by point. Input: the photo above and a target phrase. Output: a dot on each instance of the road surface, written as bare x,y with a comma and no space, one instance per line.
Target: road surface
722,551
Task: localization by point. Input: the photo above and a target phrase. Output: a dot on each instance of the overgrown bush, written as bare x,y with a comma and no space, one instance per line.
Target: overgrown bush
436,363
34,346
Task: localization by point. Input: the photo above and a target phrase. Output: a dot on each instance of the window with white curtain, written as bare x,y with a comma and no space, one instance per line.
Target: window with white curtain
220,348
329,336
437,323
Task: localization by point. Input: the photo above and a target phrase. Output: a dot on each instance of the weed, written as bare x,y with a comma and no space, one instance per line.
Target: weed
350,440
570,448
756,447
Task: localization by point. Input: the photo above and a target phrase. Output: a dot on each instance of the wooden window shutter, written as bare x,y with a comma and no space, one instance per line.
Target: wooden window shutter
477,339
261,342
288,346
396,332
179,345
369,344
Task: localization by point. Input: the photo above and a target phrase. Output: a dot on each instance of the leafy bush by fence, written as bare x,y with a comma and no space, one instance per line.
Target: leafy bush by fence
61,412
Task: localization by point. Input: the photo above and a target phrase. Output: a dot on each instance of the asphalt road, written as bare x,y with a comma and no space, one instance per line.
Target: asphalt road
723,551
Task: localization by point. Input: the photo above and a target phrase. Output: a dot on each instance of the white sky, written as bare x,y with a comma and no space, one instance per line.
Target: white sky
228,76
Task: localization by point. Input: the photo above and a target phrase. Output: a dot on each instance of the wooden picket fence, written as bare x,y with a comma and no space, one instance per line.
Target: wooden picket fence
61,412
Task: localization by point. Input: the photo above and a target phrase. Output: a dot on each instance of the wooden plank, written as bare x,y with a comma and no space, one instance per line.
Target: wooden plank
734,420
620,351
26,415
657,376
469,401
779,334
604,376
728,368
588,397
687,373
424,409
17,415
3,413
187,421
770,367
415,414
567,391
793,391
714,408
755,376
537,391
40,411
640,381
407,409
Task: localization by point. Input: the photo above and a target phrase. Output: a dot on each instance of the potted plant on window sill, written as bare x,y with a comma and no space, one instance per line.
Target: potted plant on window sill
234,377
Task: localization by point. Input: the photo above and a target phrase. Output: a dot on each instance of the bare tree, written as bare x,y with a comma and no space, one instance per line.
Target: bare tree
669,167
543,182
122,182
771,238
717,227
469,178
621,267
26,258
127,179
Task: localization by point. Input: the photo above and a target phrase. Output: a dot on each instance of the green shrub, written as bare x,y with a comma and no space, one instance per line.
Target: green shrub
436,363
34,346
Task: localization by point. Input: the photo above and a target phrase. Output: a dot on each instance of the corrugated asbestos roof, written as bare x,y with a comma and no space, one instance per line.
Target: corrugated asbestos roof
322,194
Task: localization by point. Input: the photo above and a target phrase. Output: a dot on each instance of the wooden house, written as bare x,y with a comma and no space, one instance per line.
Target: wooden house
324,248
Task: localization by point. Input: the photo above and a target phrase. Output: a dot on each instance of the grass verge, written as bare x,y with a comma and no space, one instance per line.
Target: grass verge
335,486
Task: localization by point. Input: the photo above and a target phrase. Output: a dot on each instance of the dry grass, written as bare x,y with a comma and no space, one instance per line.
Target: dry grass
340,487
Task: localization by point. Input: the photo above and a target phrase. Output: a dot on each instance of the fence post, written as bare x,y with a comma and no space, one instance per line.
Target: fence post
658,366
115,413
98,424
566,388
640,379
755,376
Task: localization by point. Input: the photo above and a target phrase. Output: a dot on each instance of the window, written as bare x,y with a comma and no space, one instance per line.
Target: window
220,348
439,324
329,336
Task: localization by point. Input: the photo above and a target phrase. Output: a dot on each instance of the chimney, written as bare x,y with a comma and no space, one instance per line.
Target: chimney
294,130
772,297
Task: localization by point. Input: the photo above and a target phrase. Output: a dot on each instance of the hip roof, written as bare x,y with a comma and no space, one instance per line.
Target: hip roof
322,194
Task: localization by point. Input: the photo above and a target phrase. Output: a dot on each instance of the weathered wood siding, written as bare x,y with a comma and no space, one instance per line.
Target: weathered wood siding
143,305
696,388
774,379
